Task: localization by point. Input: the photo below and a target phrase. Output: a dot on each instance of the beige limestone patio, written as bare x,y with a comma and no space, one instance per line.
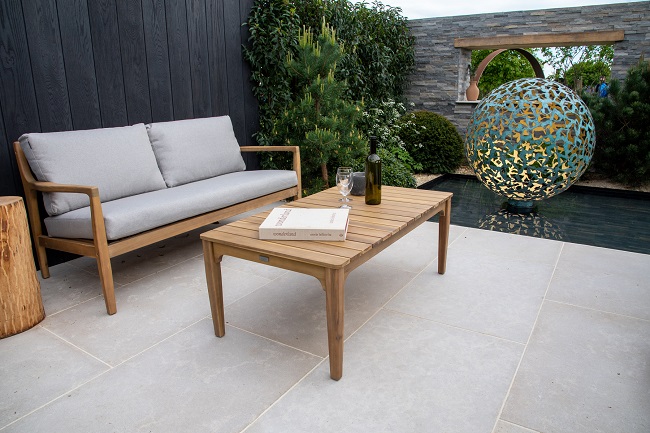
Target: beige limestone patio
520,335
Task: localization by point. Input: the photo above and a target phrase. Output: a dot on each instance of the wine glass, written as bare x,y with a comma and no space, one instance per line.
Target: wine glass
344,183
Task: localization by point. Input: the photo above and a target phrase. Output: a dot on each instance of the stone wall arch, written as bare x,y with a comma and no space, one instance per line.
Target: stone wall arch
443,46
476,78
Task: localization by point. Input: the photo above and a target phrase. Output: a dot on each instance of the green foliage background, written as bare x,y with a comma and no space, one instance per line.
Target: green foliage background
588,72
622,134
274,29
570,62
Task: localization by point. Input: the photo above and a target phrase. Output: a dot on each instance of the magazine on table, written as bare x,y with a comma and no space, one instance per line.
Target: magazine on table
300,224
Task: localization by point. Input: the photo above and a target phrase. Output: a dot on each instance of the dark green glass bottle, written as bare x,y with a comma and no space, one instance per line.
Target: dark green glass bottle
373,174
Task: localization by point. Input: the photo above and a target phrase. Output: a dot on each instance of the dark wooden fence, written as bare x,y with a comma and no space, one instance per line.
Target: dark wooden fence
82,64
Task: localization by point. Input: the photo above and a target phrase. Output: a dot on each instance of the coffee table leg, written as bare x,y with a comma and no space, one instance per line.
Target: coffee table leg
334,296
215,287
443,237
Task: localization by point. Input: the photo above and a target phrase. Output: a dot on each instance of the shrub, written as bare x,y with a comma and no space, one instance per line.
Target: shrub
432,141
622,135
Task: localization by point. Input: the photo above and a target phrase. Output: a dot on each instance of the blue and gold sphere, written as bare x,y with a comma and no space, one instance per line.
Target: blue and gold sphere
529,140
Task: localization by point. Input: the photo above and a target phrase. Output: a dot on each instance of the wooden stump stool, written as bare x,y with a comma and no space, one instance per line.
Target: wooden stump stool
21,305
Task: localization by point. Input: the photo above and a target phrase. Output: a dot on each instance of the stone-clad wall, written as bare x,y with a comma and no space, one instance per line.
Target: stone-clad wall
440,78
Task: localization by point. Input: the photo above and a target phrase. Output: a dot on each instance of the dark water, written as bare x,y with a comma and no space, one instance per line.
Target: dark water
582,215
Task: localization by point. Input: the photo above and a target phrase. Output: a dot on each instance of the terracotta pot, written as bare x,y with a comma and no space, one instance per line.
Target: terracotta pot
472,91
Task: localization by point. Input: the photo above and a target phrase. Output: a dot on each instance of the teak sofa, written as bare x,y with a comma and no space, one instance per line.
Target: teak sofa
113,190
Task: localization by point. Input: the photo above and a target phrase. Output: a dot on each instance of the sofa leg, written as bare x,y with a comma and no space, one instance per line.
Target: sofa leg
41,255
108,287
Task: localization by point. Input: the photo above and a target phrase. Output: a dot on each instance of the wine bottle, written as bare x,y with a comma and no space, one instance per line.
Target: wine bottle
373,174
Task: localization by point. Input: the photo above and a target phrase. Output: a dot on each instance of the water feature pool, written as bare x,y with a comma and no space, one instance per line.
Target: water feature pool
583,215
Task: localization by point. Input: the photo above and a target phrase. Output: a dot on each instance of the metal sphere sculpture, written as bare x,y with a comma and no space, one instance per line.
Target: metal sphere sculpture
529,140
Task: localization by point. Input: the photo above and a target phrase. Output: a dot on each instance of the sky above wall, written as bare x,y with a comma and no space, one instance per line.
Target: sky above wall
415,9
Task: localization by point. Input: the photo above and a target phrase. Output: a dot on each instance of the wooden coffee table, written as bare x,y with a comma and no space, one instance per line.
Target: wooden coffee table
371,230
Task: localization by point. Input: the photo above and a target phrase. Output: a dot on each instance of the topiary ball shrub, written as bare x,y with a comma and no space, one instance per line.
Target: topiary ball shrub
433,141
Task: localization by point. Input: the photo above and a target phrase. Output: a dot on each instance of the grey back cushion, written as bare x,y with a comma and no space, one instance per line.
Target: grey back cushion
195,149
119,161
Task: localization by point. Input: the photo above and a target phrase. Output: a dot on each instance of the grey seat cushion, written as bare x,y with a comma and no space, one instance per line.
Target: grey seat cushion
119,161
132,215
195,149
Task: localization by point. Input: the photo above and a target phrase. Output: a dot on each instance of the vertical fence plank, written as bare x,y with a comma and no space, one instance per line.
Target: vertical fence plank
46,56
8,181
134,61
217,54
179,59
47,65
250,102
198,38
108,62
18,107
76,42
155,35
232,21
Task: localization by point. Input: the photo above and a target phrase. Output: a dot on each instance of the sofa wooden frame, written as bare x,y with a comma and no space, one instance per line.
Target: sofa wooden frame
99,247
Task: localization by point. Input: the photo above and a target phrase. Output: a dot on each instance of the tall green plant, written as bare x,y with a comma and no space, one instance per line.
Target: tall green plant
320,121
622,135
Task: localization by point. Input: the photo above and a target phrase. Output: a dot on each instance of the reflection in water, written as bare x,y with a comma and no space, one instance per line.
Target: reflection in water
578,215
531,224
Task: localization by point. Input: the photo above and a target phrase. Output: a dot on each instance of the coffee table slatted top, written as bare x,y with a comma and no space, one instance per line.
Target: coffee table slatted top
371,229
369,226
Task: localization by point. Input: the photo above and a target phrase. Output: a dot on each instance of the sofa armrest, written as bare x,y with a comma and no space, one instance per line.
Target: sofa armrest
293,149
96,213
90,191
31,186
